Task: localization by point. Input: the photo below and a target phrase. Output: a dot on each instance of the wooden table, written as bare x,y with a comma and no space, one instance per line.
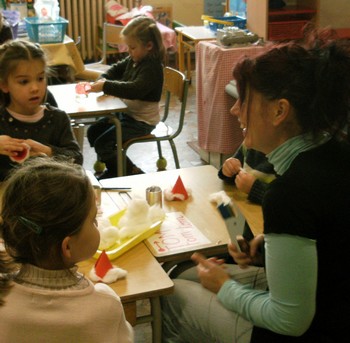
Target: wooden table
188,37
92,106
146,279
203,181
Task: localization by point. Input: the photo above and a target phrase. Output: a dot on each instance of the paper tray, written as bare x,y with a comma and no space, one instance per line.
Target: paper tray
118,249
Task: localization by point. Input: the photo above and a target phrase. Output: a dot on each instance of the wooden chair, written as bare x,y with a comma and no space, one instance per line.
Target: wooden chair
111,36
110,50
175,86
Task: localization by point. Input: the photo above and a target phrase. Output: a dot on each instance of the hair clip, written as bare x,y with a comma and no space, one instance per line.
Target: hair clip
31,225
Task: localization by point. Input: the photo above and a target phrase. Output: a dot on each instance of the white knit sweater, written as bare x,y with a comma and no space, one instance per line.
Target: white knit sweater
61,306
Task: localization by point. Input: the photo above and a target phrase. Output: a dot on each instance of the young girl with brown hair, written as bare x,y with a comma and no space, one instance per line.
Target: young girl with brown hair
48,224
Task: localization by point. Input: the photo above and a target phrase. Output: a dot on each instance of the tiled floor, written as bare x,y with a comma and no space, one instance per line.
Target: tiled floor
145,156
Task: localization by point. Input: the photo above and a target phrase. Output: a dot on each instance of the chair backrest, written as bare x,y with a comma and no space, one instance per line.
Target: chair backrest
111,35
176,85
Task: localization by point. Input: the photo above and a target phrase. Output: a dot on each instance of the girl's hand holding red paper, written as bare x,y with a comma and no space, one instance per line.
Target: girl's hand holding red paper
10,146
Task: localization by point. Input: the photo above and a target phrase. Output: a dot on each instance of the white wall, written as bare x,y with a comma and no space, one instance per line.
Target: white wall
335,13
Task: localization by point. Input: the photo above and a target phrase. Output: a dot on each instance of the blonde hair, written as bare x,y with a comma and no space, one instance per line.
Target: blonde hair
145,30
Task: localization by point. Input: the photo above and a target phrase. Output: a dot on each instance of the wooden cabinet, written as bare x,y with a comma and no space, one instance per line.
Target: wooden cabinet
279,24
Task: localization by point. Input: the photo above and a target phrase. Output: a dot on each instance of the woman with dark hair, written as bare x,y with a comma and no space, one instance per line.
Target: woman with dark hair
293,104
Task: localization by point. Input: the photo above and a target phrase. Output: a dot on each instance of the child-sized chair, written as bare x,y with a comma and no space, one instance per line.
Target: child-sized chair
175,85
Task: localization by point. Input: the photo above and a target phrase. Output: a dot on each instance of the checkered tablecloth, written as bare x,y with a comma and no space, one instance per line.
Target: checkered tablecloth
218,130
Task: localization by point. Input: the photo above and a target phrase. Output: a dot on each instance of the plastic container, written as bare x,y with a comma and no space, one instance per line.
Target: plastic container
45,32
120,248
219,22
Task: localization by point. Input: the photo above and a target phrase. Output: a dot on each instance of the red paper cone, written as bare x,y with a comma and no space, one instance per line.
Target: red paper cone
179,188
103,265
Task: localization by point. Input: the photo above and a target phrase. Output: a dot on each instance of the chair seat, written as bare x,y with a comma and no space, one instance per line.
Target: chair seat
97,67
92,71
161,131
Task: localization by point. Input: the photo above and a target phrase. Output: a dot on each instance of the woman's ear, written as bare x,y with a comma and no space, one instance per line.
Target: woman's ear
281,111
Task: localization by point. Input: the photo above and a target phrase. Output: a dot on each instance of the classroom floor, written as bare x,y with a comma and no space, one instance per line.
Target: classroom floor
145,157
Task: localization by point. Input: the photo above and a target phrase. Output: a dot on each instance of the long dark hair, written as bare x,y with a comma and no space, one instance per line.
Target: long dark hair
314,76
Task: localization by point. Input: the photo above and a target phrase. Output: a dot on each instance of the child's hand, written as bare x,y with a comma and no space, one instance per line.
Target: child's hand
10,146
97,86
38,149
251,257
244,181
231,167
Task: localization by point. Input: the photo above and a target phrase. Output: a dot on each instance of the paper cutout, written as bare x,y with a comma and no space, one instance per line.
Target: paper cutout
179,188
179,192
176,233
103,265
21,155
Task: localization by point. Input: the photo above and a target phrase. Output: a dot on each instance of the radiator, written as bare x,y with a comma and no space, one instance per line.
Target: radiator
84,16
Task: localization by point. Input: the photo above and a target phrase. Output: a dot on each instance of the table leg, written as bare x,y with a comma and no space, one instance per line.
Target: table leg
156,320
130,312
181,53
189,66
118,128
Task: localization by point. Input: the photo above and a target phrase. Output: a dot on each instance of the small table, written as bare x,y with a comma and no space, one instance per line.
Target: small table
91,106
203,181
188,37
146,279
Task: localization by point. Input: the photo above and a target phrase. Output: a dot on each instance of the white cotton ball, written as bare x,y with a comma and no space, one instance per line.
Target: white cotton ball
156,213
108,237
134,229
103,222
220,197
136,216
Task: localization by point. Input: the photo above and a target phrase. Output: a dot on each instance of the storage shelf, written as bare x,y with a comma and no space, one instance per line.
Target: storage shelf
279,24
292,10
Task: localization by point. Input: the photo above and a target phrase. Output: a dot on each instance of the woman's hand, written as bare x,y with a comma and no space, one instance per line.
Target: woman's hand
244,181
97,86
231,167
10,146
247,257
38,149
210,272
